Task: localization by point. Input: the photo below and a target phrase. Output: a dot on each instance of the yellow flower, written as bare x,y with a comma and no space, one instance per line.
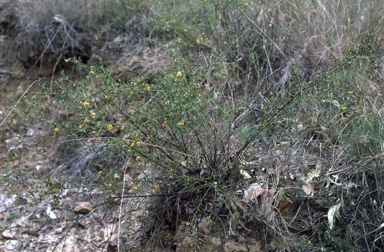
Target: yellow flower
100,172
93,115
80,126
129,150
106,97
54,191
138,143
246,4
179,74
164,120
180,124
134,190
110,127
198,41
56,130
133,144
156,187
86,104
148,88
14,121
116,176
138,158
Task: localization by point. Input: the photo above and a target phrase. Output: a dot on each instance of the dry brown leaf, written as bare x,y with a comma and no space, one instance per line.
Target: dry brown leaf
284,205
254,191
31,233
309,189
101,222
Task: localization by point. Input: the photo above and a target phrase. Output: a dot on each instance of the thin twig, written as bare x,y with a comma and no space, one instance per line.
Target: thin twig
26,91
121,209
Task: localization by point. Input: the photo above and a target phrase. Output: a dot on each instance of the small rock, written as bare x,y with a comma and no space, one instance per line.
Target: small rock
8,234
82,207
98,239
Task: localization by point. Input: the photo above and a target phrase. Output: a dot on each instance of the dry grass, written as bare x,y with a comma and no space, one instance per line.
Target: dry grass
84,14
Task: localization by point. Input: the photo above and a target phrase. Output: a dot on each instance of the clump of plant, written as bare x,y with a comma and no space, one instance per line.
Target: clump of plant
187,139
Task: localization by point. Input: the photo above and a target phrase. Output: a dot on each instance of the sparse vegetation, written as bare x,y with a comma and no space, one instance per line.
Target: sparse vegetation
256,122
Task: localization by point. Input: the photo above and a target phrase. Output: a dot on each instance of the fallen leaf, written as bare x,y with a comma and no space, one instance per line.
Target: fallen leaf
100,221
284,205
245,174
50,213
332,213
309,189
254,191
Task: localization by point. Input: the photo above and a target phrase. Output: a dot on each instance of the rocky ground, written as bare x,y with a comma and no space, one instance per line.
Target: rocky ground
77,219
